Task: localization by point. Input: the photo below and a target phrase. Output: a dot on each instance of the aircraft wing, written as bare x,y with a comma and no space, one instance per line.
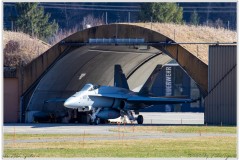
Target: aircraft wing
54,100
158,100
119,96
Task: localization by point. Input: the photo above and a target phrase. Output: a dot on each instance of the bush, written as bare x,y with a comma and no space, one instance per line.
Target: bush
11,47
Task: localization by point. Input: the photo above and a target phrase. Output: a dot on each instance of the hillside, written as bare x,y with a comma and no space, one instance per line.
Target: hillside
187,33
21,48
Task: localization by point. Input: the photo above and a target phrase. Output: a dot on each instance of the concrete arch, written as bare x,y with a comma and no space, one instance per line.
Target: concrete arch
190,63
63,65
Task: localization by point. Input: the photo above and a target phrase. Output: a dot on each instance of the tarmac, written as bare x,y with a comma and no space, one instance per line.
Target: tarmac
150,118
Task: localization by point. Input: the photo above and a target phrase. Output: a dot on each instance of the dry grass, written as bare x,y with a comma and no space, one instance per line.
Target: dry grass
21,48
61,35
187,33
27,48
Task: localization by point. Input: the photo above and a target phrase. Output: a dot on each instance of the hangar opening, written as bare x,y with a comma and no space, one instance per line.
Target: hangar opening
68,65
91,64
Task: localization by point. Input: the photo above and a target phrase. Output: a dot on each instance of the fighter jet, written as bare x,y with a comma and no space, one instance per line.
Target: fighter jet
110,102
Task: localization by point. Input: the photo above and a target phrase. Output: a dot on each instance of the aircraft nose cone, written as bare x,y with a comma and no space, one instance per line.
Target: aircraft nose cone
69,103
66,103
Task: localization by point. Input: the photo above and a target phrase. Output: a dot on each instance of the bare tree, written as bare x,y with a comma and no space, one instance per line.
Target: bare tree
219,23
91,21
88,21
61,34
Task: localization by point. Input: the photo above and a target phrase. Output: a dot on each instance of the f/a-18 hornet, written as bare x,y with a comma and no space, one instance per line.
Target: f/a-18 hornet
110,102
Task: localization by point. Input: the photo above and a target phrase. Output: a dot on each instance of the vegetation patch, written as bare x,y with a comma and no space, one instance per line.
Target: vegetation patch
20,48
177,129
190,33
170,147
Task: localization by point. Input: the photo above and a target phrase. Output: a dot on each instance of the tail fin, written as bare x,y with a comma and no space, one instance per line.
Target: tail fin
145,90
120,79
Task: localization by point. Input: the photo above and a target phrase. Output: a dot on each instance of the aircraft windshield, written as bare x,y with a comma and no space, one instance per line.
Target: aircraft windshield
87,87
90,87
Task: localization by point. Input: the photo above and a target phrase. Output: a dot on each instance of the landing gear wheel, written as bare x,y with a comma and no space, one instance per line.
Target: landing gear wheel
97,121
90,120
140,119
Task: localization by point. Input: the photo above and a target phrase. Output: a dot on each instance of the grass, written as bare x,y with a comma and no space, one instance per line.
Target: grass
26,49
199,146
190,33
178,129
171,147
11,136
30,47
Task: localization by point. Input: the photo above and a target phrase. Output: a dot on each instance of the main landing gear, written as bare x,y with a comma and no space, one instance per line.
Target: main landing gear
93,119
139,118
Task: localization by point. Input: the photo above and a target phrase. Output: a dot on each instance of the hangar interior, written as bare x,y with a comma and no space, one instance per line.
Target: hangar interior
174,81
91,64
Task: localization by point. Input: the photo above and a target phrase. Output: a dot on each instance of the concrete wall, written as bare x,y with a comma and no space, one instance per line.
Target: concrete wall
34,70
11,100
221,102
194,67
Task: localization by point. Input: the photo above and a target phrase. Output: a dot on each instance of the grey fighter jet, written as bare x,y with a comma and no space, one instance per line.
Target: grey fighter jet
110,102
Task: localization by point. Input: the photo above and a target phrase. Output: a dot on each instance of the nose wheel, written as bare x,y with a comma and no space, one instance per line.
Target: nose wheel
96,121
93,119
140,119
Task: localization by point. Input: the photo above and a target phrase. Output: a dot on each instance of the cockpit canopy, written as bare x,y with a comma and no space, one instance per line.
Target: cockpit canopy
89,87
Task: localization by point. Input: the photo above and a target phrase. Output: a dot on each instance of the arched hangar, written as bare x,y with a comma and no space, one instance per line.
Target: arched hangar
83,57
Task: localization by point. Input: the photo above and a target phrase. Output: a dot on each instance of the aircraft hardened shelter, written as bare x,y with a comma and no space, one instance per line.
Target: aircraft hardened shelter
65,61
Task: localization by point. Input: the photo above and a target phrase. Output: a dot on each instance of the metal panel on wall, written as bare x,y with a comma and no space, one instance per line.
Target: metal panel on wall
11,100
221,102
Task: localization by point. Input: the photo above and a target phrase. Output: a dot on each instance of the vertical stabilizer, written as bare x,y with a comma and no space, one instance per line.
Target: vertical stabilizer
120,79
145,90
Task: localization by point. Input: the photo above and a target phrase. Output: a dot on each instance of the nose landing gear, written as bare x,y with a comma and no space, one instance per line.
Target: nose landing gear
93,117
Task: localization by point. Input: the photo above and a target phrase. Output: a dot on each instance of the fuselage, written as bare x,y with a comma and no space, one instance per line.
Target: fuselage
92,96
95,96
